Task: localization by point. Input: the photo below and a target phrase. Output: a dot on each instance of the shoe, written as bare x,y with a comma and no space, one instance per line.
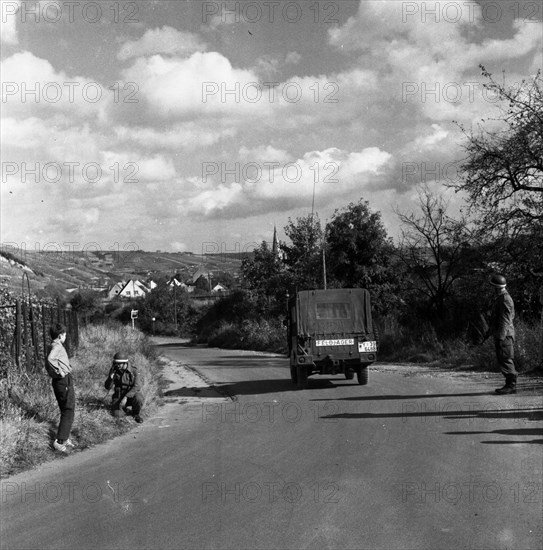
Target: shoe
61,447
70,443
138,419
506,390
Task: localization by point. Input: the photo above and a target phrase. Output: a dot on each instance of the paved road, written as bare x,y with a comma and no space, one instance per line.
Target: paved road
421,461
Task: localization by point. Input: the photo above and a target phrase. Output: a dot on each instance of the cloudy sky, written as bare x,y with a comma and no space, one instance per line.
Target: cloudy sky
192,125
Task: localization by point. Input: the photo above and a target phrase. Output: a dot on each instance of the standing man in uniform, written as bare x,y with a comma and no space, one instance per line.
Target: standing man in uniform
502,330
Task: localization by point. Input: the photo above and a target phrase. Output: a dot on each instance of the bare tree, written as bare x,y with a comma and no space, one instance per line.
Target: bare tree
435,248
503,172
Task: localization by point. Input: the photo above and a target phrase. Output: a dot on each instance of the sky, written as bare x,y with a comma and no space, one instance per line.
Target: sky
199,126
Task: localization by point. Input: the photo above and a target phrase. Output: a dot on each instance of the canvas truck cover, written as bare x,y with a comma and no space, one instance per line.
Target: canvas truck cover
333,311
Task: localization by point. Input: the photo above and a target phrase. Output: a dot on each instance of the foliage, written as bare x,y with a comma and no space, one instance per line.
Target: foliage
12,257
266,275
169,307
259,335
303,257
359,254
503,172
87,304
203,284
520,258
234,308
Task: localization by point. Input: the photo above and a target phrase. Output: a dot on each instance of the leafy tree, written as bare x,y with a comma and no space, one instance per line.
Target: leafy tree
87,303
224,278
303,257
503,173
520,258
357,245
265,273
202,283
166,305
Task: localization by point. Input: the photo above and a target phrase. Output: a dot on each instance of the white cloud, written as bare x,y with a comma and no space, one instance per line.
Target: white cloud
332,173
436,56
293,58
165,40
31,85
8,22
195,85
177,246
432,140
263,153
188,135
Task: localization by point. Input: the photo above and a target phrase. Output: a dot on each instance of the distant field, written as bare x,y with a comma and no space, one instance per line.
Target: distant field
72,269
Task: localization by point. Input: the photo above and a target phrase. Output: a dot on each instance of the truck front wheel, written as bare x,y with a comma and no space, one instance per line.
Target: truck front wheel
362,375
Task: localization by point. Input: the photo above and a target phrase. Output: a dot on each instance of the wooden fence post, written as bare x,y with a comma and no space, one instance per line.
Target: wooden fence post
17,335
28,359
34,333
76,328
44,332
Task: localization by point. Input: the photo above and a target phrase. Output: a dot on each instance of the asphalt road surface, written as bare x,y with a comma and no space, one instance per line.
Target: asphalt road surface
415,459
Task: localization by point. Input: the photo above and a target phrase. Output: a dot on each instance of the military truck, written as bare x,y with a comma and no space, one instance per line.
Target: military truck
331,332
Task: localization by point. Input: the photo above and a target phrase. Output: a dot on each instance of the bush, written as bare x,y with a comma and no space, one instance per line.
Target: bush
423,346
527,342
264,335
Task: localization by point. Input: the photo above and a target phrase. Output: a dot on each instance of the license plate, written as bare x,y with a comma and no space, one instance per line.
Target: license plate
344,342
367,346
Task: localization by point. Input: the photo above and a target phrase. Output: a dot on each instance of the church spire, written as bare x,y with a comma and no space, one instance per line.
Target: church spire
274,244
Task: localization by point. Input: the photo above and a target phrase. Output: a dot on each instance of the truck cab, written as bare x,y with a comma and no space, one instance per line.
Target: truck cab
331,332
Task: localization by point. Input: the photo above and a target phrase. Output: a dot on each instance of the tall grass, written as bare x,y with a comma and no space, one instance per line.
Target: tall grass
263,335
397,344
424,346
29,412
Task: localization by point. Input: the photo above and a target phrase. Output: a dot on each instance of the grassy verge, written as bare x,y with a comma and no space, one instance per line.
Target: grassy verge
458,353
29,413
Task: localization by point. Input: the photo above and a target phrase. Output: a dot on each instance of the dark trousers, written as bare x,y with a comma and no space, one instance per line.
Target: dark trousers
505,354
65,394
135,401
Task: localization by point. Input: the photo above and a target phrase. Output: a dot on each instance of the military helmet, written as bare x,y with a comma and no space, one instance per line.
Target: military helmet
498,280
120,358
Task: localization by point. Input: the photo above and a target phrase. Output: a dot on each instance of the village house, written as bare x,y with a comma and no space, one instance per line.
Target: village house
131,289
175,282
219,288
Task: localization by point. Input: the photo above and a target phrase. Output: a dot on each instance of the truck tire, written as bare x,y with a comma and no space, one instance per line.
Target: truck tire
362,375
294,375
302,378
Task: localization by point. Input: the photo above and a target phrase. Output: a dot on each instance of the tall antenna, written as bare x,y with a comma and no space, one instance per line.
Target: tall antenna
313,202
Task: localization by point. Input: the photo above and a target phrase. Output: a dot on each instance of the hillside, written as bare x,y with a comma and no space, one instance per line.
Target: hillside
51,273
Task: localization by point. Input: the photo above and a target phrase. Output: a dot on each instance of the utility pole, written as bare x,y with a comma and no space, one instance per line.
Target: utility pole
175,302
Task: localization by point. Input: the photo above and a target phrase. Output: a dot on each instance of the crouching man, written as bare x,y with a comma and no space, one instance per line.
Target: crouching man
126,392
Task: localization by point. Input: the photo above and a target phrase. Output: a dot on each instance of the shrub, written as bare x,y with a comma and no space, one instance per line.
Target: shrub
263,335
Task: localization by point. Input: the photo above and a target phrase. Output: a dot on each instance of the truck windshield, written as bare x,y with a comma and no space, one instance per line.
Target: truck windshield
333,310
